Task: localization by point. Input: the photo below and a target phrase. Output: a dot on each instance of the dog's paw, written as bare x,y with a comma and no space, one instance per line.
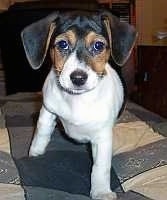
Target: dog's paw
104,196
35,151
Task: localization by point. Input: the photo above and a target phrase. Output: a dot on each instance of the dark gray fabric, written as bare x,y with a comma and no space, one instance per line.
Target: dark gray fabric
130,164
35,193
161,128
21,113
20,139
8,170
61,170
144,114
2,120
65,166
130,195
67,171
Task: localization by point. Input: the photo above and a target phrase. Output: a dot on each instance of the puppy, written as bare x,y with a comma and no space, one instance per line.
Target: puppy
82,88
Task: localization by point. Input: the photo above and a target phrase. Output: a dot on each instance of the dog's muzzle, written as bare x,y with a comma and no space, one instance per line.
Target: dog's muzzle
79,82
78,77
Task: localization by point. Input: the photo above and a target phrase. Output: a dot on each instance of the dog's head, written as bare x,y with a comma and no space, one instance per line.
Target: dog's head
80,45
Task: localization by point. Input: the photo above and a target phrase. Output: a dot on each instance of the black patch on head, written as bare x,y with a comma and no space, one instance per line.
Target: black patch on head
81,23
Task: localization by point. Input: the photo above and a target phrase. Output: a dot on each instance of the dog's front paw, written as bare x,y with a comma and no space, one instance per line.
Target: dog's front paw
104,196
36,151
38,145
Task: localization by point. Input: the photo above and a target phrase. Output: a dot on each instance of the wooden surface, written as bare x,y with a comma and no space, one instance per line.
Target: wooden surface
151,79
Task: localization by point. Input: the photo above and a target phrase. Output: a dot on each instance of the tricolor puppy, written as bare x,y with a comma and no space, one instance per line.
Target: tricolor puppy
82,88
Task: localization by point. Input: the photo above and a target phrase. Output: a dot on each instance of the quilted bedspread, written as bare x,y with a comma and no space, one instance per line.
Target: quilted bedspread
139,169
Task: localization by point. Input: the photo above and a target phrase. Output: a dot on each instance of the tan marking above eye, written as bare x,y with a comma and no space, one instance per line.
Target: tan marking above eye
92,37
97,62
58,59
69,36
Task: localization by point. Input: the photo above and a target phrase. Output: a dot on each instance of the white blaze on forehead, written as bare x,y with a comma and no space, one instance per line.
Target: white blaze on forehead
73,62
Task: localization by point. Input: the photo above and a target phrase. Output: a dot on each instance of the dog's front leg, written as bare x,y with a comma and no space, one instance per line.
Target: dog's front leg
45,126
100,177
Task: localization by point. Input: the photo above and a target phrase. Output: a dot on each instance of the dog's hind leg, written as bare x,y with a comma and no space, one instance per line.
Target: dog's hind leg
45,126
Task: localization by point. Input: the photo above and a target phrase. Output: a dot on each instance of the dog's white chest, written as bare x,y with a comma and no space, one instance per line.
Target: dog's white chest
83,112
84,115
84,119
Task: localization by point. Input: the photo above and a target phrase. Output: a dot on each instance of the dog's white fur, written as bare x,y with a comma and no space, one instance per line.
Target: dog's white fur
88,115
71,65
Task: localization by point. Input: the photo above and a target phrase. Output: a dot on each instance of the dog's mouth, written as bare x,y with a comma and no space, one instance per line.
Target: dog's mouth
74,91
80,85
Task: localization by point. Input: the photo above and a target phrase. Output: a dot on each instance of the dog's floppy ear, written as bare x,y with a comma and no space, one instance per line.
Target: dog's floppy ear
36,38
122,38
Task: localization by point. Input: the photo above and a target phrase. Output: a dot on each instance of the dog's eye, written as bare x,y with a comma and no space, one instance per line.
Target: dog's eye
62,44
98,46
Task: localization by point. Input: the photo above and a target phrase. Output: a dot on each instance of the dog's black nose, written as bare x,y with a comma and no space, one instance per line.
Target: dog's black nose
78,77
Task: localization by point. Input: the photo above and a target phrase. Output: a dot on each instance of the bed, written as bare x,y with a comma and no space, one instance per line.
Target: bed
139,169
